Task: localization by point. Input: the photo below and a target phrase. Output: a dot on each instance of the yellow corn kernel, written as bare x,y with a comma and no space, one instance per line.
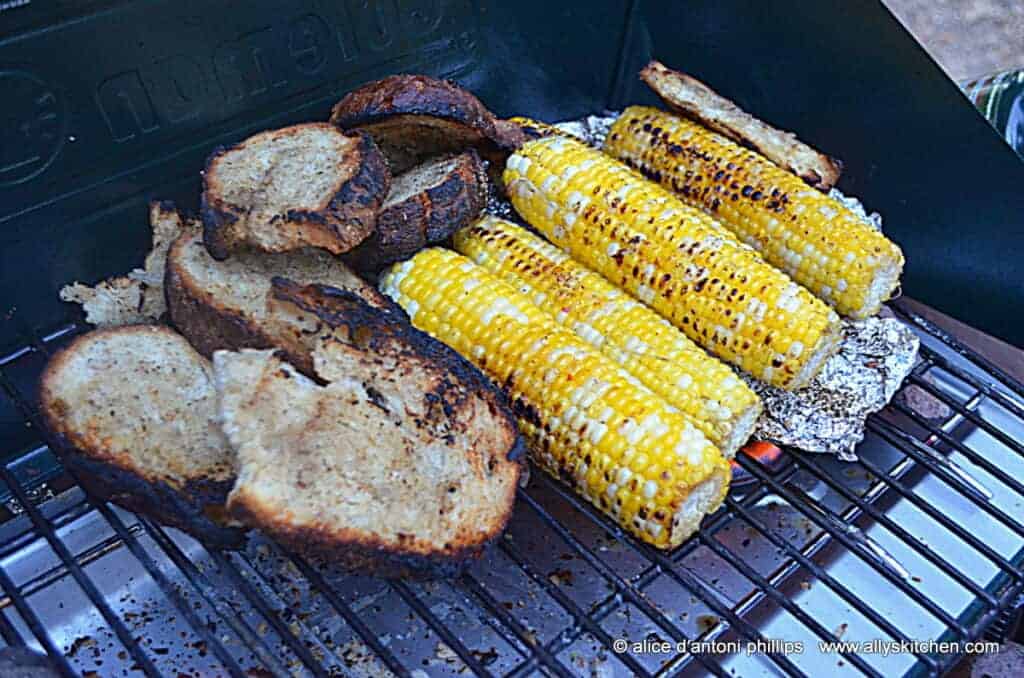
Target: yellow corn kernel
674,258
814,238
631,334
585,420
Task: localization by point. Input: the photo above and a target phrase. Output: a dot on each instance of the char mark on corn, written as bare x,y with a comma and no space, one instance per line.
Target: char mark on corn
674,258
585,420
814,238
630,333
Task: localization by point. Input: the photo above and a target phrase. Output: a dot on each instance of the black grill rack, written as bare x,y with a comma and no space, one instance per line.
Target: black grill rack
920,539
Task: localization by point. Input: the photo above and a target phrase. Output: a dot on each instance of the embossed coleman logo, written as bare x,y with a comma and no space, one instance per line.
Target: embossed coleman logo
32,128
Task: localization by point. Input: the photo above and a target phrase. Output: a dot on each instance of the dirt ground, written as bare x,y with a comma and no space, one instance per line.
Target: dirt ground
969,38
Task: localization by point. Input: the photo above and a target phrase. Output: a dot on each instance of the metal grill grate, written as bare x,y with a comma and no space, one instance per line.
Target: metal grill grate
920,539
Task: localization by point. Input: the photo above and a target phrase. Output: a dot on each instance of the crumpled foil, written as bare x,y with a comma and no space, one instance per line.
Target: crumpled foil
862,377
828,415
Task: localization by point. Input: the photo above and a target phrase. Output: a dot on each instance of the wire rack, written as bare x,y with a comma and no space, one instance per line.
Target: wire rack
920,539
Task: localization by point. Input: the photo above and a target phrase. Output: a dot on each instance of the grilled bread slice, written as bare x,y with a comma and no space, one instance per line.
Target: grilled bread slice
426,205
694,99
133,412
308,185
223,304
416,117
139,296
404,465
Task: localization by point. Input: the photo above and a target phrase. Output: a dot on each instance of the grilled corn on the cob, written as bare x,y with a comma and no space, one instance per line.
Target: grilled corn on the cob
585,420
631,334
674,258
814,238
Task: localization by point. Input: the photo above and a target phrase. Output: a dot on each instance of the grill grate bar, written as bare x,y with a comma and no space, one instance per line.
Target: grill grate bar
967,414
212,596
820,574
974,456
901,309
581,618
257,601
912,541
438,627
823,519
476,590
168,589
926,507
780,598
473,587
35,625
167,545
76,572
687,581
544,657
640,581
620,586
342,608
987,389
10,634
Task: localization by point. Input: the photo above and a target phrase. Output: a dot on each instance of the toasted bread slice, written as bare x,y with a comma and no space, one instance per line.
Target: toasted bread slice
139,296
416,117
694,99
223,304
133,413
308,185
404,465
426,205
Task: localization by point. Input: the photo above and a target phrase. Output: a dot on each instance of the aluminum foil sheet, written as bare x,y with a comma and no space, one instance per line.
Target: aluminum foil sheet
829,414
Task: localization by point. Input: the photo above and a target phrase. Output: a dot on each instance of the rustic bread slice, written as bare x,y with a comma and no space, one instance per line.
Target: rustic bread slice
133,412
308,185
694,99
404,465
223,304
415,117
426,205
139,296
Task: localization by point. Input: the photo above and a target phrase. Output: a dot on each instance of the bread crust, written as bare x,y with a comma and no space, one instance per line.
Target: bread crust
414,117
210,325
427,217
340,222
378,334
692,98
193,507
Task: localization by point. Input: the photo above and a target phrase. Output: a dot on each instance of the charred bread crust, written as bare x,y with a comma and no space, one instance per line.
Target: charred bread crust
427,217
338,223
690,97
413,117
210,325
193,507
377,332
354,550
420,95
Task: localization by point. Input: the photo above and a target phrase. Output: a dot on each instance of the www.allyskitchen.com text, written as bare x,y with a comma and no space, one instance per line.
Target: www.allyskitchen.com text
877,646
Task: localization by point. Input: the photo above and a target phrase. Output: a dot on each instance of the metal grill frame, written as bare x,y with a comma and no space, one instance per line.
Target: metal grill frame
536,656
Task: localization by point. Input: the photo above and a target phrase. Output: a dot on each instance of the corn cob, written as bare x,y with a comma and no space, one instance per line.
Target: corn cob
585,420
674,258
642,342
814,238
